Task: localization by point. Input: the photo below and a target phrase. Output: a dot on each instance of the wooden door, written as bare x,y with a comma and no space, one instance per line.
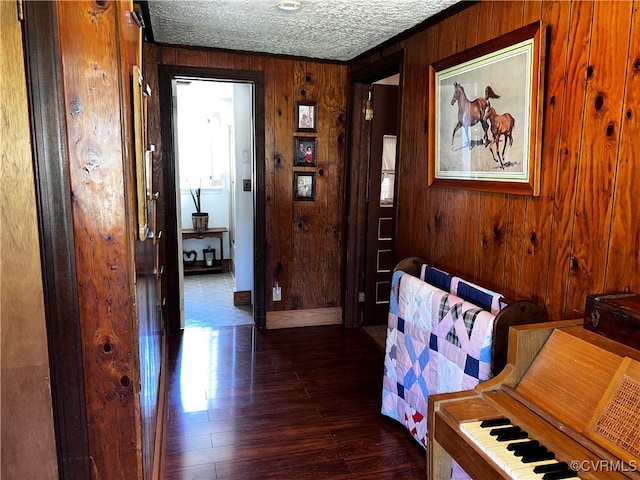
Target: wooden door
380,204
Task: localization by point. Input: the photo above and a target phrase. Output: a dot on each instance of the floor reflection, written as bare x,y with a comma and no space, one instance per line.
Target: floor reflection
198,367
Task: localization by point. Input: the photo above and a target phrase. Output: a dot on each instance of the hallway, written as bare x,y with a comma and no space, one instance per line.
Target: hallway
281,404
208,302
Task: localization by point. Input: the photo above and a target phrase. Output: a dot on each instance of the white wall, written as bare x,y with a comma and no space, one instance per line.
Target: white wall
242,232
216,204
205,126
222,115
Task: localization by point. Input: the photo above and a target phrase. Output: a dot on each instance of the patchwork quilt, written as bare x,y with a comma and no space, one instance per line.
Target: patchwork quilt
437,342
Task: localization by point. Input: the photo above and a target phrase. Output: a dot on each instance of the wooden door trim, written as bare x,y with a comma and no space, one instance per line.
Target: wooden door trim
356,172
53,196
165,74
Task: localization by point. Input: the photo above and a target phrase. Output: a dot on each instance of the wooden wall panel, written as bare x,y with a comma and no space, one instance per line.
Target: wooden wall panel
556,248
279,233
27,418
569,156
335,177
540,248
625,235
96,100
600,140
304,239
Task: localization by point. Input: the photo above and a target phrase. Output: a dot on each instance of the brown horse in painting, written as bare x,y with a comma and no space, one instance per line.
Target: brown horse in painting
501,125
471,112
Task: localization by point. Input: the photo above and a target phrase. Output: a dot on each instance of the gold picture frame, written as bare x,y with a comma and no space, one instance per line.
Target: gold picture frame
139,151
485,115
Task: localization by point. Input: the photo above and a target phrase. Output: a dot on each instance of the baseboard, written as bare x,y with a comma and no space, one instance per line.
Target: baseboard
304,318
160,441
242,298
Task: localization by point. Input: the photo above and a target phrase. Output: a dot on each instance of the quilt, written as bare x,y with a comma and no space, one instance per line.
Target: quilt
437,342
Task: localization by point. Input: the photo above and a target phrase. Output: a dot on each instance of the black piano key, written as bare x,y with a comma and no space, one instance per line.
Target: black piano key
536,456
559,475
508,437
552,467
504,431
522,446
495,422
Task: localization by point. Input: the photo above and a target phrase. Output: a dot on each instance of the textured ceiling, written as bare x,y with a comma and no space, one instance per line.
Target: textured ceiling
323,29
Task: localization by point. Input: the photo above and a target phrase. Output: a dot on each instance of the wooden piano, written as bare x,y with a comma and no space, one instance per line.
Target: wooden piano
574,392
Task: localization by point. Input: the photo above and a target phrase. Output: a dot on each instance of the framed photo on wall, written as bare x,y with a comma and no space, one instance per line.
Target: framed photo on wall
485,115
306,116
304,186
305,151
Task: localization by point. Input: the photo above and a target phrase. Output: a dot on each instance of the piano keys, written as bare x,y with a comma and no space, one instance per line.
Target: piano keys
553,391
515,453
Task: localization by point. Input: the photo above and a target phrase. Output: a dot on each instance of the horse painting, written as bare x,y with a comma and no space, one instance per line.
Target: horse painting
471,112
501,126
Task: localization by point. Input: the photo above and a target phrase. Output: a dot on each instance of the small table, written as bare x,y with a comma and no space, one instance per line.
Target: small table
215,232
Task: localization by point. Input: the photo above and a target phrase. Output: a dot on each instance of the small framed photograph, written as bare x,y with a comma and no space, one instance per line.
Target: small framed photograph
304,186
304,151
306,116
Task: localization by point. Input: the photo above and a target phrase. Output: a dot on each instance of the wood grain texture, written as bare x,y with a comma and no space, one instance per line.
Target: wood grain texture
283,404
94,80
560,391
304,239
541,248
556,248
304,318
26,415
601,136
623,256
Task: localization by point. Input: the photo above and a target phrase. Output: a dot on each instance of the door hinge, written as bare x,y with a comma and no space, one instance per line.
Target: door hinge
361,297
20,10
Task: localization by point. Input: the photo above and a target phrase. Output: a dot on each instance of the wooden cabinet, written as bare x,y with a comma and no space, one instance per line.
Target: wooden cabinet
199,266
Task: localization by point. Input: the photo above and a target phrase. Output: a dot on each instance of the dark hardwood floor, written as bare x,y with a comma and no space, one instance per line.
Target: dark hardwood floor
298,403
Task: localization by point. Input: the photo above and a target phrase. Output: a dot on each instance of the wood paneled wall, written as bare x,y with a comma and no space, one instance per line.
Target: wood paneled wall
304,239
27,437
582,234
120,322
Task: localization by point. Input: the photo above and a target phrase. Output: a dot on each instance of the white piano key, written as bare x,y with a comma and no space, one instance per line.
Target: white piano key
511,464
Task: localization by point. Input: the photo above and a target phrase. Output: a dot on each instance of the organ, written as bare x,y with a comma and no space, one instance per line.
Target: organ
568,398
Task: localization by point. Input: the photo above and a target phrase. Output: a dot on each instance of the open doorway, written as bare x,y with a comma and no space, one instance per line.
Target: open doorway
213,151
178,202
380,202
376,144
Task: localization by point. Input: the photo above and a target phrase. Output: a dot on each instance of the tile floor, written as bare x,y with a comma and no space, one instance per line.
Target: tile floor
208,302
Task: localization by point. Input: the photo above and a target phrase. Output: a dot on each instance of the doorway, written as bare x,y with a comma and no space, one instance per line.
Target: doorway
244,181
376,133
381,218
213,150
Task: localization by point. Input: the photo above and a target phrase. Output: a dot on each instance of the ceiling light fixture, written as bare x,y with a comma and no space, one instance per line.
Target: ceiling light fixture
289,5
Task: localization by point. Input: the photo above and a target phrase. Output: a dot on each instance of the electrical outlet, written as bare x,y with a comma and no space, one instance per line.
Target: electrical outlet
277,293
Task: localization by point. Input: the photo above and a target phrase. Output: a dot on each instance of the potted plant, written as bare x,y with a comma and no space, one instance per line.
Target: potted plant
200,219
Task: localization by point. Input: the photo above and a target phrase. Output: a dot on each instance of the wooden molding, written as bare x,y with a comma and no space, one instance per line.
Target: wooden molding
304,318
242,298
